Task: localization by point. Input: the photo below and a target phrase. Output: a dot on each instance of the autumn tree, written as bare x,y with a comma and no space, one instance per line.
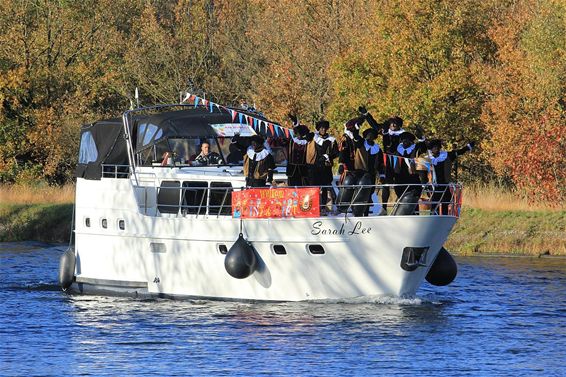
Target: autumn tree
525,113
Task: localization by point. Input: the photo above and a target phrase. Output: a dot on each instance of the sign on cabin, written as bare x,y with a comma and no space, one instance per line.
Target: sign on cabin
276,203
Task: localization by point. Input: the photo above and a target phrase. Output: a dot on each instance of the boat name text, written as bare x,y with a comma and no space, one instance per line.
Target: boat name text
357,228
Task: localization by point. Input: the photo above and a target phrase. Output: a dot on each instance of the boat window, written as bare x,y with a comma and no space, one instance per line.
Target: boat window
87,151
148,132
87,222
195,197
104,223
220,198
121,224
168,197
279,249
223,249
316,249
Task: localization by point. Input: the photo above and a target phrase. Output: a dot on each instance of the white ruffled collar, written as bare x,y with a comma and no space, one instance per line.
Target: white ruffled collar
372,149
349,134
441,158
299,141
257,155
395,133
320,139
402,151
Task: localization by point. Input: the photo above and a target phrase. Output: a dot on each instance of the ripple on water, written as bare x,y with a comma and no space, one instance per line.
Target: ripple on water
500,317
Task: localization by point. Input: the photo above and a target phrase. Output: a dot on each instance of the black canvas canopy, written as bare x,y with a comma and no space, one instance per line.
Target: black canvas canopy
102,142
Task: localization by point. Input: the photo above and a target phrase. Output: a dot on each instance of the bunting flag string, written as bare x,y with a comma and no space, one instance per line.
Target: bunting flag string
258,125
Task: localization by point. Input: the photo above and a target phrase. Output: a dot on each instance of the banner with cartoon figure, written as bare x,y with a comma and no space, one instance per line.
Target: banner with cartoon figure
276,203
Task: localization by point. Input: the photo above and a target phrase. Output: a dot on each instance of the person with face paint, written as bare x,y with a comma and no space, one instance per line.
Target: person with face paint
442,161
326,152
405,168
258,163
390,130
372,156
297,173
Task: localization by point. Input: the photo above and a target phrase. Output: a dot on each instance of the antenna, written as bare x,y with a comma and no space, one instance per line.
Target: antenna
137,97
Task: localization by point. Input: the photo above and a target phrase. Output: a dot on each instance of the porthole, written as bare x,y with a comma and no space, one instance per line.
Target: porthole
87,222
316,249
121,224
222,249
104,223
279,249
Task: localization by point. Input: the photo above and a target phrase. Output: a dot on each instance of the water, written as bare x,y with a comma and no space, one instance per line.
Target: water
502,316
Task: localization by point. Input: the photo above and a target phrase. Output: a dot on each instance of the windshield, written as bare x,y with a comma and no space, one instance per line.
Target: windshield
203,152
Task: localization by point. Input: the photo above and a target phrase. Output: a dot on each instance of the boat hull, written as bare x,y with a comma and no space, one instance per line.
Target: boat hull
361,257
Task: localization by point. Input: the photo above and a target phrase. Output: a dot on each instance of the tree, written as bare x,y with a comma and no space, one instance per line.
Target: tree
526,108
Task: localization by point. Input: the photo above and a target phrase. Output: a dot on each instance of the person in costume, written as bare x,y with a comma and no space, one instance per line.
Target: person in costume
405,167
349,142
326,151
390,130
372,157
258,163
297,173
443,161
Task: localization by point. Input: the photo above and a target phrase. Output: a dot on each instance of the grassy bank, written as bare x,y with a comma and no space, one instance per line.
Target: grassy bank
482,231
39,222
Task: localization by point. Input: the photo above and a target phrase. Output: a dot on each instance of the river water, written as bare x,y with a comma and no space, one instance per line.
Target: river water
502,316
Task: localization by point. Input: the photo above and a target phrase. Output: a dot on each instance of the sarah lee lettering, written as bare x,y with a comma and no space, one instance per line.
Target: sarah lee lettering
357,228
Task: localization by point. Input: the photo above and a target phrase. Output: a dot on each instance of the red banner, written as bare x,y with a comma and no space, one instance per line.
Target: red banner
276,203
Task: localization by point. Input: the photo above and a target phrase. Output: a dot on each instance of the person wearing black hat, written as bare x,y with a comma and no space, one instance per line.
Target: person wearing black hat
297,174
326,151
390,130
372,156
442,162
350,140
258,163
405,168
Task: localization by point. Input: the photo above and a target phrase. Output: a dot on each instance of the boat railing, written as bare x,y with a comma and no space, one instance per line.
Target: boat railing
115,171
181,199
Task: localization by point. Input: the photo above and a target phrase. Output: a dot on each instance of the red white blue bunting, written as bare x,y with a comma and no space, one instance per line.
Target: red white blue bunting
259,125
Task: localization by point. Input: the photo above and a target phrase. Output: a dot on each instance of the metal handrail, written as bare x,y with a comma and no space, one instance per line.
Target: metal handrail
432,199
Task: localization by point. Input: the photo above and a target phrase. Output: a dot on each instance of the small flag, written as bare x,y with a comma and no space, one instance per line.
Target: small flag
233,115
211,106
196,101
271,129
241,117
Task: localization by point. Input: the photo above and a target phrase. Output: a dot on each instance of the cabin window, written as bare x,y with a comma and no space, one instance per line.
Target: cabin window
195,197
157,247
87,150
87,222
220,198
147,133
222,249
279,249
104,223
316,249
168,197
121,224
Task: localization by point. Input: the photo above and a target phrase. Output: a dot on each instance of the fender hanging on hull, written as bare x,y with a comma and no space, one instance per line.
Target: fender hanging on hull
444,269
67,268
240,261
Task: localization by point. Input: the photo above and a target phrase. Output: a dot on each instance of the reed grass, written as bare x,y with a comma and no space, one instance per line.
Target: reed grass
27,194
490,197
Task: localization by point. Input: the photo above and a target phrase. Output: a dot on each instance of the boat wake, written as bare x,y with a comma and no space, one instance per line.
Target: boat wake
378,299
